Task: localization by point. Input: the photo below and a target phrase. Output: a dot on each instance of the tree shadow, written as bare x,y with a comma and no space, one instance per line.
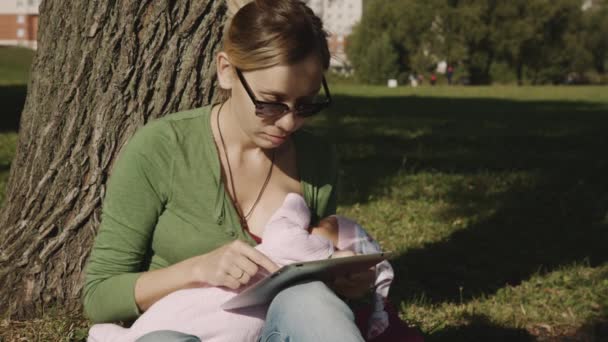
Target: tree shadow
554,214
534,229
480,328
591,332
12,98
377,137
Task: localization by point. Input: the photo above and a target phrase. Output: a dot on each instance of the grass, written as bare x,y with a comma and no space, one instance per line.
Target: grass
495,200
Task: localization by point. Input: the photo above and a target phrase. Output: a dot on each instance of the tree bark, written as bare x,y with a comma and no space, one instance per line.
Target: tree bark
103,69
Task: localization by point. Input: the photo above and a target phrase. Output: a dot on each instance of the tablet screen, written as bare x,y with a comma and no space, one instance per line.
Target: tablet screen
264,290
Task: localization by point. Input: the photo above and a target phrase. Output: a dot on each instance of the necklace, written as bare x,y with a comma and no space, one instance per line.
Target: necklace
242,218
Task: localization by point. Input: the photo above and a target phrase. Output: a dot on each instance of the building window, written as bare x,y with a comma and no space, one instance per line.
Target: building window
20,33
20,19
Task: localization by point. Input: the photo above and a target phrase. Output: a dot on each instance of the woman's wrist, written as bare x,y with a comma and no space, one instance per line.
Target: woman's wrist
191,270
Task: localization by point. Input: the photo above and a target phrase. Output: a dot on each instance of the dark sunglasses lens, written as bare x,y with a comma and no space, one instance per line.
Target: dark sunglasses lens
271,109
309,109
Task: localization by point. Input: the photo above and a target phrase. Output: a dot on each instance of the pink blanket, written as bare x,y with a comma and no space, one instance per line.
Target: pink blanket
285,240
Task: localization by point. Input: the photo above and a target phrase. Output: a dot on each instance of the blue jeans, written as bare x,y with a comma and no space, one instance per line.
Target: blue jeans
301,313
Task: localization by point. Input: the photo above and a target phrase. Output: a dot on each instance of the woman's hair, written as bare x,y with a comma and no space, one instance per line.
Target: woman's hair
263,33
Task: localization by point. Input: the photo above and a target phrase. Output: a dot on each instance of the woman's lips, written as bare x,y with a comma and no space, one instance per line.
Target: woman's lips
277,139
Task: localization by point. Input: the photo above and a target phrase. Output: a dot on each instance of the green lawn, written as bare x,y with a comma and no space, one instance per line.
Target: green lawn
495,200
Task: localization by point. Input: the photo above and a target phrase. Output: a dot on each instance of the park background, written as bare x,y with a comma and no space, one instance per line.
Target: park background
493,194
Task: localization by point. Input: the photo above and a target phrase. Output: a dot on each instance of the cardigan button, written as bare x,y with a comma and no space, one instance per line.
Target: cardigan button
232,233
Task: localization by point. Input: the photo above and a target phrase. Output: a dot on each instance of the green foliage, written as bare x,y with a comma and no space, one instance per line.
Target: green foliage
378,62
539,40
15,65
595,23
385,43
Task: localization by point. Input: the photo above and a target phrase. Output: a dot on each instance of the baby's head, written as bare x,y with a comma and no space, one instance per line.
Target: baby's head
287,238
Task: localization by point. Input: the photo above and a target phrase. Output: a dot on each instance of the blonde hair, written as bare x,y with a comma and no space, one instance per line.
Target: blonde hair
263,33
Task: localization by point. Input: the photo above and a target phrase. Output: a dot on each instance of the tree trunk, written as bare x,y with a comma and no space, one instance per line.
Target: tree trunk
103,69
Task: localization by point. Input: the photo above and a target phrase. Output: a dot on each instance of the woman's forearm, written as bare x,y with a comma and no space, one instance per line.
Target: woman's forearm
154,285
232,266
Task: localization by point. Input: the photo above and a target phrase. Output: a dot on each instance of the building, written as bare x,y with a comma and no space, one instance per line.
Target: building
339,17
19,23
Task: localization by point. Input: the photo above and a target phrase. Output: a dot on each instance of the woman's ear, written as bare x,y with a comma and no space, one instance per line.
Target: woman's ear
225,71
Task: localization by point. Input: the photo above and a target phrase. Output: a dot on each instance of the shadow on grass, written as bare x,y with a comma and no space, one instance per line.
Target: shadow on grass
379,136
480,328
12,99
554,216
592,332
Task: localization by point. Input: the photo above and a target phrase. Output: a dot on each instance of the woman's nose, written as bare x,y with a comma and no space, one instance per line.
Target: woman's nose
289,122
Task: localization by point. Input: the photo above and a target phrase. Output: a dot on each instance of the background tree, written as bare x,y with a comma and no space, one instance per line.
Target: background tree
401,29
519,34
558,53
537,40
595,22
102,70
371,50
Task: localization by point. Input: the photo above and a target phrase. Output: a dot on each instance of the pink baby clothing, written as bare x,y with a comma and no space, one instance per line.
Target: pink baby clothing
197,311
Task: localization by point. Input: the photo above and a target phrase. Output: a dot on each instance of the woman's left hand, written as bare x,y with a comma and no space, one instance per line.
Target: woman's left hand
355,285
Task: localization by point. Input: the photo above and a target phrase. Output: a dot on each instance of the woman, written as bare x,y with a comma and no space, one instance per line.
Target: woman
192,191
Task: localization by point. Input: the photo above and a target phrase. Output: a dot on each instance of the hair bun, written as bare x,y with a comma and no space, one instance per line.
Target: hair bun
265,4
235,5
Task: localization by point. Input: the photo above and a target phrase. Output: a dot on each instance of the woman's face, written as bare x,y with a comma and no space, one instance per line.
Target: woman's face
289,84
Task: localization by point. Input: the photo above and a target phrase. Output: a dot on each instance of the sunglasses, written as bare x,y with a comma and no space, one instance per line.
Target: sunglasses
274,109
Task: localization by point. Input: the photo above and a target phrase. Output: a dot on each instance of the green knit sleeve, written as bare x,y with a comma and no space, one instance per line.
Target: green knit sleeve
137,190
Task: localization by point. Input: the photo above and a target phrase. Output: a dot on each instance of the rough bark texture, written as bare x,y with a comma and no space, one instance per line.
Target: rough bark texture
103,69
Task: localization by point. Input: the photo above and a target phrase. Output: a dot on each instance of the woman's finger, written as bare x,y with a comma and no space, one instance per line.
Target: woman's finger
247,265
231,283
244,279
366,276
257,257
235,272
354,285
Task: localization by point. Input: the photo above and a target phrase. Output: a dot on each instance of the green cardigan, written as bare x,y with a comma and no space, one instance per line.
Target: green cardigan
165,202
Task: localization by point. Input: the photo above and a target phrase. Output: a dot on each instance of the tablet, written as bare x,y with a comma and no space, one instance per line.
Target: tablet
264,290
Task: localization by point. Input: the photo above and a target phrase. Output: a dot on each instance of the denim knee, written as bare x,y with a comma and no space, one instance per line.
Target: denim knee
309,312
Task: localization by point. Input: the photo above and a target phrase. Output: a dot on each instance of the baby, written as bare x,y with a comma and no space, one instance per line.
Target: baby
285,240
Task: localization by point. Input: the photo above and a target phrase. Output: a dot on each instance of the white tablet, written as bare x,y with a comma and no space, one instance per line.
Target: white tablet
264,290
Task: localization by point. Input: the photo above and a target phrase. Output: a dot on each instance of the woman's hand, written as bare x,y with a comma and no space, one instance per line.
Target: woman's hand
355,285
231,265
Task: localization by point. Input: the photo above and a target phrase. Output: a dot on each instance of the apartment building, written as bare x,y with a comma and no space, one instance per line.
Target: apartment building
339,17
19,23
